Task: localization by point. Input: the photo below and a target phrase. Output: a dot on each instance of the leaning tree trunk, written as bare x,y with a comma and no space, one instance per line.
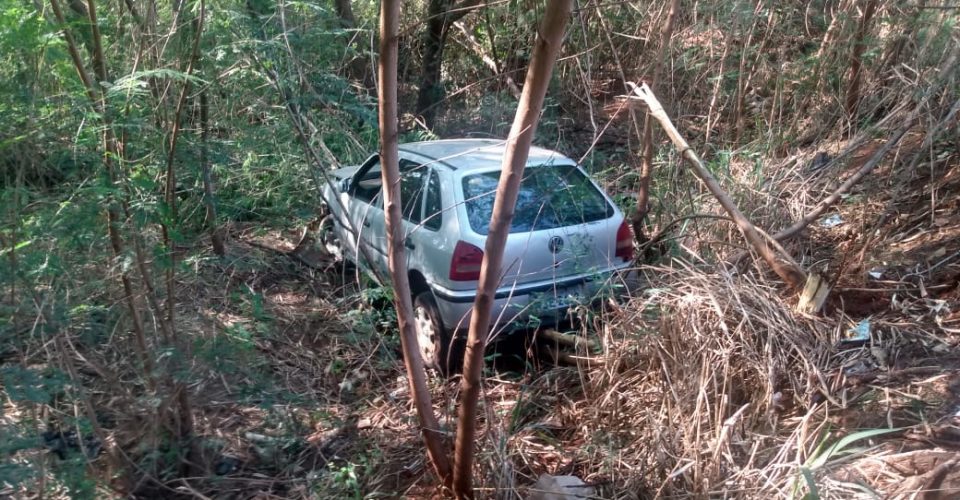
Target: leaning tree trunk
789,271
514,159
389,159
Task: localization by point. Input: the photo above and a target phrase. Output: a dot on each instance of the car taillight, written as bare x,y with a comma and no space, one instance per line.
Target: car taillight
624,242
465,264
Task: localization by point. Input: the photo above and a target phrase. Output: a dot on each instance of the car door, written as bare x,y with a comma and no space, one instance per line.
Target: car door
366,210
412,180
364,205
427,249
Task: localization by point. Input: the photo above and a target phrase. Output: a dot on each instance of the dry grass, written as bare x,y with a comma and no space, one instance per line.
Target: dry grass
713,387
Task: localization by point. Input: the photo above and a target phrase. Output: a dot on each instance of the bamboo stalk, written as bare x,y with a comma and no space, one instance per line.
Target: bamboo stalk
573,341
564,358
437,449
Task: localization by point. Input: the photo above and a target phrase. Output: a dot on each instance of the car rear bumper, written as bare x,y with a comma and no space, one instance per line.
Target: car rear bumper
532,304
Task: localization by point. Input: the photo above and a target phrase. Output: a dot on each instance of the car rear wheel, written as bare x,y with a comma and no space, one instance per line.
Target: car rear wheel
439,350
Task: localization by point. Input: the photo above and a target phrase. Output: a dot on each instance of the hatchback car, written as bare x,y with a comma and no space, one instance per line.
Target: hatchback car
566,241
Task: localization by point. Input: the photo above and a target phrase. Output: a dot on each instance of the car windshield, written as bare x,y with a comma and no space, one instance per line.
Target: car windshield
551,196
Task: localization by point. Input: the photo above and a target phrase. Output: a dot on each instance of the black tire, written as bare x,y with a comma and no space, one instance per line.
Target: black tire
439,349
327,240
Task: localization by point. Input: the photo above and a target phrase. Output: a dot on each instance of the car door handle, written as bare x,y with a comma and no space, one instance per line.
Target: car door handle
407,242
366,223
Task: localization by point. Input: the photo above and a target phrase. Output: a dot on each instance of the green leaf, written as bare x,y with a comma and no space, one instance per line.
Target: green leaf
814,492
821,459
16,247
137,82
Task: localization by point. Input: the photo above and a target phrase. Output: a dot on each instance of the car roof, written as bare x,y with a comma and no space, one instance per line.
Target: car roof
474,154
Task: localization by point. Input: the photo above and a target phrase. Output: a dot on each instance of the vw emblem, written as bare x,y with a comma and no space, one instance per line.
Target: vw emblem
555,245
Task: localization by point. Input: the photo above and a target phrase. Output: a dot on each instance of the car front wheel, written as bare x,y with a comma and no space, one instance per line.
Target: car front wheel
438,349
327,239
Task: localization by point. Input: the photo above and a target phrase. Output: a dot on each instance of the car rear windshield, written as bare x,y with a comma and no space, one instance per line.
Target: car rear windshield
551,196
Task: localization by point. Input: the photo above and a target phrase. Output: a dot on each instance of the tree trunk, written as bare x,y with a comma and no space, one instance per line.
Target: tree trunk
545,53
345,13
403,301
434,39
209,191
185,425
856,59
646,162
440,15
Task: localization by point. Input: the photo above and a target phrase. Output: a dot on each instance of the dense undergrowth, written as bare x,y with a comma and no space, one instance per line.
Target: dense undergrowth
711,385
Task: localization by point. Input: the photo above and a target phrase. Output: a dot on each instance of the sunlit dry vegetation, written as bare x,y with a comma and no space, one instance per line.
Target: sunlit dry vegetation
166,331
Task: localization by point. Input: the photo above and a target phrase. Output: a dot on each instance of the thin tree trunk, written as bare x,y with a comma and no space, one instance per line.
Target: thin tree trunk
646,162
389,159
434,39
545,51
170,191
209,191
856,59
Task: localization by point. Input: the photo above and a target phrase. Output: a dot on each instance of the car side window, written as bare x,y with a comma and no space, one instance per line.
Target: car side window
433,209
367,186
411,190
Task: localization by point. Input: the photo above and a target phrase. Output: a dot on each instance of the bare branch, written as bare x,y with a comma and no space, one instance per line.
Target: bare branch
788,271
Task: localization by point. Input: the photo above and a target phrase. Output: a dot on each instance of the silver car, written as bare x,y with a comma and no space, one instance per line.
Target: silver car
566,241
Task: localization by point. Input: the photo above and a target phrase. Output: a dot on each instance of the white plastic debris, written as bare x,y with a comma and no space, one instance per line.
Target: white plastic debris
560,488
875,273
832,221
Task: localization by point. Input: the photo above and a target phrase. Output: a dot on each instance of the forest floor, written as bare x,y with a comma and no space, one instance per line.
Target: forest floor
712,385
